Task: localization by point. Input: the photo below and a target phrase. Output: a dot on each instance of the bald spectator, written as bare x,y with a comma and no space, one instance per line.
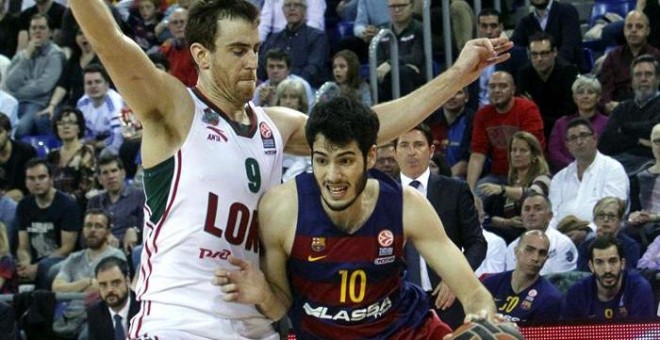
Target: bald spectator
615,75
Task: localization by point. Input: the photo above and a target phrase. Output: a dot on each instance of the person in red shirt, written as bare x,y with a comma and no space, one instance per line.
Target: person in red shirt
176,50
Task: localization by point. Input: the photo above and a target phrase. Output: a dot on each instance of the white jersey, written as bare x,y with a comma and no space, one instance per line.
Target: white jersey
201,206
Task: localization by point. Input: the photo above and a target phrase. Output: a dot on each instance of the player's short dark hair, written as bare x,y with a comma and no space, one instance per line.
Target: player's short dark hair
342,120
97,68
34,162
604,242
646,58
5,123
110,262
65,111
100,211
488,12
579,121
109,159
279,54
540,36
203,17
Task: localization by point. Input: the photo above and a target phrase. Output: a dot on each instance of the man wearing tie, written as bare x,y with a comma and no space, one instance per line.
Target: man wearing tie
109,318
454,204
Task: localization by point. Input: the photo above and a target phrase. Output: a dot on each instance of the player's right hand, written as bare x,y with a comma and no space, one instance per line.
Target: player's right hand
246,284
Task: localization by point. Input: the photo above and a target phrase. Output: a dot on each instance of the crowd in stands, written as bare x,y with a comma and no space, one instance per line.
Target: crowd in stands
552,164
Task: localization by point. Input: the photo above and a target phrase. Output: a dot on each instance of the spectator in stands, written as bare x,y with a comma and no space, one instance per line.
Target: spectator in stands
70,86
494,124
626,136
462,23
528,172
118,305
547,80
291,93
386,160
8,214
49,9
8,275
612,292
346,74
454,204
74,163
536,215
522,294
586,91
372,15
48,226
101,107
8,105
176,50
9,27
32,76
274,15
124,203
143,22
590,177
410,40
70,29
561,21
576,229
616,75
489,25
608,215
308,46
161,30
495,261
278,68
452,132
13,157
76,273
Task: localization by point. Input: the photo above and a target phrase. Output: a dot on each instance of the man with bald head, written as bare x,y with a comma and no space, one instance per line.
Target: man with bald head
615,75
494,124
176,51
523,294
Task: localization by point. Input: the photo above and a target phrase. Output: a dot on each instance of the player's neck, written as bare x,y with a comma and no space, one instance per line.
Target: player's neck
607,294
353,217
234,108
521,281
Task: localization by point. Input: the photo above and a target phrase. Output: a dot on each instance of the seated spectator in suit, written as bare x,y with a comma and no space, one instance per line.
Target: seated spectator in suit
76,273
109,318
528,172
454,204
626,136
32,76
176,50
536,214
547,80
48,226
143,23
590,177
561,21
124,203
273,16
386,160
493,126
13,156
452,132
616,74
612,292
278,68
308,46
101,107
608,215
410,40
522,294
586,91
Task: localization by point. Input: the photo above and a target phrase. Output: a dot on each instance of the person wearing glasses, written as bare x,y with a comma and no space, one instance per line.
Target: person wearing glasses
547,80
273,16
608,216
590,177
175,49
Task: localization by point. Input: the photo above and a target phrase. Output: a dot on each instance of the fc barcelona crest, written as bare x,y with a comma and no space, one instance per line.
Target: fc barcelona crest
318,244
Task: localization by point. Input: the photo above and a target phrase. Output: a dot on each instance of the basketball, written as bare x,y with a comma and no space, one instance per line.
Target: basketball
483,329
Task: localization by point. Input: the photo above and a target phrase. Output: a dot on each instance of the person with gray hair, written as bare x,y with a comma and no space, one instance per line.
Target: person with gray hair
586,93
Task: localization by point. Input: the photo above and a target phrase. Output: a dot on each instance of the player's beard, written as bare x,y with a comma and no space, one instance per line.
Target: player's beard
617,278
360,185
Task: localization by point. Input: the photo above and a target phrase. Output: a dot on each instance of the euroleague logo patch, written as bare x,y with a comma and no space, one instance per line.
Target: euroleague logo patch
385,238
267,137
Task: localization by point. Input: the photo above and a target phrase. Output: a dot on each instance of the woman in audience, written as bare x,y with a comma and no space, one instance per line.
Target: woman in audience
291,93
74,162
8,277
586,94
528,171
346,75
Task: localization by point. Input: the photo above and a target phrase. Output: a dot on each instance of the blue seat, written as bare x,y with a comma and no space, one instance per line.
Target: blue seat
42,143
601,7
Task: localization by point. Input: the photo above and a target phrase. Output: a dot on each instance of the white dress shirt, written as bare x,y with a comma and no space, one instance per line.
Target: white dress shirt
123,312
272,18
495,255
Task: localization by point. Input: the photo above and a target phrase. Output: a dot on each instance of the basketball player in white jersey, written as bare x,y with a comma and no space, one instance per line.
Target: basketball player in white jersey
209,155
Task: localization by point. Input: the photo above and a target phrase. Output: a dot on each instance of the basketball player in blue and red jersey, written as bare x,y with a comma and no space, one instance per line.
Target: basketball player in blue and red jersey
209,155
334,243
521,294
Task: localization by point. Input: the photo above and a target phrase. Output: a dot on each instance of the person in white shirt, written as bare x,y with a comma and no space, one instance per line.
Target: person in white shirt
101,107
272,16
495,261
592,176
536,214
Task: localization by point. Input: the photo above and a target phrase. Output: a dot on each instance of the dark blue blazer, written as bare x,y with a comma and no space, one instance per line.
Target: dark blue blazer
100,322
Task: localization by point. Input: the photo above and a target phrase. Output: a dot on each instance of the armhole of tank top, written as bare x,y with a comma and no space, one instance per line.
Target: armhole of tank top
157,184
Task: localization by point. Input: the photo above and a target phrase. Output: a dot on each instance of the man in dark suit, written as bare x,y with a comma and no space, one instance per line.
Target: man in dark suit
561,21
454,204
109,318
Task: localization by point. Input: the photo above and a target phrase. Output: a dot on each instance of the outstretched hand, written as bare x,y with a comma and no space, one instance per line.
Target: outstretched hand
247,284
481,53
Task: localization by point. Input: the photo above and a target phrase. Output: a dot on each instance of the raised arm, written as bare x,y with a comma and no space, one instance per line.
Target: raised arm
153,95
423,227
